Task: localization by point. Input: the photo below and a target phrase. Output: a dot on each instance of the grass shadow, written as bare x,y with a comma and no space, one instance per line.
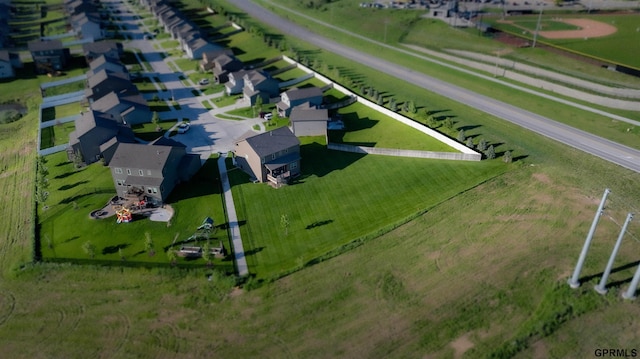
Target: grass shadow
114,249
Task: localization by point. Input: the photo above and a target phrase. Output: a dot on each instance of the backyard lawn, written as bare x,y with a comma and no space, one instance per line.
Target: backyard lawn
66,224
339,198
148,132
367,127
56,135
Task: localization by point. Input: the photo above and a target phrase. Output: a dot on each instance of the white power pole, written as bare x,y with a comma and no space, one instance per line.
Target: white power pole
535,34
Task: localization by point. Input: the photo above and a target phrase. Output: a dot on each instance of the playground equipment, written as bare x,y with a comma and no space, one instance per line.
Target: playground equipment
124,215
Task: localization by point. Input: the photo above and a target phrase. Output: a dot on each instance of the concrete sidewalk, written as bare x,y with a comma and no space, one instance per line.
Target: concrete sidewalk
234,228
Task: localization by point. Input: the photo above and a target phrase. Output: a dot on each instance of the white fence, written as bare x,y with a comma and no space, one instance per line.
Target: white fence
472,155
404,153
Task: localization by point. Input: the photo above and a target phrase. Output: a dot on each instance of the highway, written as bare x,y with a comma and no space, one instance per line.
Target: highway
611,151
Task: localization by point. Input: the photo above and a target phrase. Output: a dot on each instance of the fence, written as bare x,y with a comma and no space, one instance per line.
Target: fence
405,120
404,153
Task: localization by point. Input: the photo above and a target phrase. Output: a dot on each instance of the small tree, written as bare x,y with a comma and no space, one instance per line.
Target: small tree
448,123
148,244
257,107
482,145
393,106
507,157
89,249
411,107
121,254
491,153
155,119
470,142
206,253
172,256
461,136
380,100
431,121
284,223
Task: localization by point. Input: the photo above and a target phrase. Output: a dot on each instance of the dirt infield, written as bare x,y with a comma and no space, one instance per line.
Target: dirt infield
588,29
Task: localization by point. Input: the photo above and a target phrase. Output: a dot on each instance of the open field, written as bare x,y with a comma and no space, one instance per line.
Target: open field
468,278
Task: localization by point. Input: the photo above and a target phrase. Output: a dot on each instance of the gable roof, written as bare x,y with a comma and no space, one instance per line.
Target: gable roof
45,45
135,155
267,143
113,99
302,93
92,119
304,113
105,63
101,47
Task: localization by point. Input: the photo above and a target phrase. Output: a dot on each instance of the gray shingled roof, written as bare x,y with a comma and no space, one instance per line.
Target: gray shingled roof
4,56
100,47
267,143
302,93
304,113
135,155
103,75
45,45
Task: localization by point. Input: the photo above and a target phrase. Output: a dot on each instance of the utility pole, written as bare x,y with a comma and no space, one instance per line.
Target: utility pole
573,282
535,34
602,286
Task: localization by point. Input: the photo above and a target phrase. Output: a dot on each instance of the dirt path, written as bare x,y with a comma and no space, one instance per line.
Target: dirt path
588,28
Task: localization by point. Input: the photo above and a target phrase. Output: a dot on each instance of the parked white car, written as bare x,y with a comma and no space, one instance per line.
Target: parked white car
183,127
203,82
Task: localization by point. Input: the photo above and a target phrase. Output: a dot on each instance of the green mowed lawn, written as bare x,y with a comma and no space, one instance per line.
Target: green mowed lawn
66,225
56,134
339,198
367,127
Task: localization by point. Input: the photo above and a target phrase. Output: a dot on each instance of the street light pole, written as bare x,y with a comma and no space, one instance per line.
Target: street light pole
535,34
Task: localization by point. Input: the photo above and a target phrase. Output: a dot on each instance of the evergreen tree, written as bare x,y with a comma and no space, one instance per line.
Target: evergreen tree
89,249
461,136
491,153
470,142
482,145
411,107
507,157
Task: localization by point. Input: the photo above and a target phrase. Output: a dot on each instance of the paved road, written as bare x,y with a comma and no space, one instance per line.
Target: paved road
608,150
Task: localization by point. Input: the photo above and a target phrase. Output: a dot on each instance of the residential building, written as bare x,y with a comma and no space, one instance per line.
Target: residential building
236,82
194,49
8,62
107,64
208,58
92,130
127,109
102,83
88,26
151,171
48,56
258,83
307,120
272,156
223,65
297,96
110,49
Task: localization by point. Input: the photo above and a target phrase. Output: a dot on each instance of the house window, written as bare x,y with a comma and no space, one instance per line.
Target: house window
120,182
273,156
148,172
141,172
128,171
293,165
149,190
119,171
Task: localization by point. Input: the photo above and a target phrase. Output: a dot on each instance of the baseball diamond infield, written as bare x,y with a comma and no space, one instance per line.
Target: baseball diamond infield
587,29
